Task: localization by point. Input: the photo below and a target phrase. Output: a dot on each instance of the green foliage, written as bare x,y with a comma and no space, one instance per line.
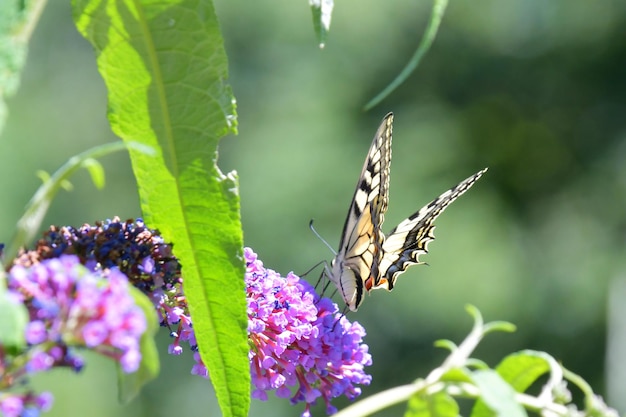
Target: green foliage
165,69
13,322
17,22
439,8
30,223
497,395
321,11
440,404
522,369
498,392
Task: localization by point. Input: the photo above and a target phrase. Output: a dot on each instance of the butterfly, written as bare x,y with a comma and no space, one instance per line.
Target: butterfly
368,259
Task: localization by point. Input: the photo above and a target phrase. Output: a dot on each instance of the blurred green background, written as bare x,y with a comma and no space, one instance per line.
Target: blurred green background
535,90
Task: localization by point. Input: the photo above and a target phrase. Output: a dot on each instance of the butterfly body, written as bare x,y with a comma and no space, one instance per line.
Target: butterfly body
367,258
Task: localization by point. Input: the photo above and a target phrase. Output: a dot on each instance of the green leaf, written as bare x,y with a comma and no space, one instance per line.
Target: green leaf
439,8
438,404
522,369
13,322
28,225
456,375
497,397
95,171
130,384
17,22
165,69
321,11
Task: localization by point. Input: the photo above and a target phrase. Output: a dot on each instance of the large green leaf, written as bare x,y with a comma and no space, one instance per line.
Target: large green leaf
165,69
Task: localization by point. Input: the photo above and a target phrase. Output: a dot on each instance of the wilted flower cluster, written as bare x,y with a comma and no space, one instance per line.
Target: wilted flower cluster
299,342
137,251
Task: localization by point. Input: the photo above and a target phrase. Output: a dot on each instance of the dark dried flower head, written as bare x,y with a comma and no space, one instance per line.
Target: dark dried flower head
137,251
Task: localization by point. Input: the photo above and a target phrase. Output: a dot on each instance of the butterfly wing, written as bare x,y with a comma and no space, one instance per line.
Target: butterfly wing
407,241
360,249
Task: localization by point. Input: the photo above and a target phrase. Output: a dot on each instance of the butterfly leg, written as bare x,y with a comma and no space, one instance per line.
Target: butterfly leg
312,268
343,314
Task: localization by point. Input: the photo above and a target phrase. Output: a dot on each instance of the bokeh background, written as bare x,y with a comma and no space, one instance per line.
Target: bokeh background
533,89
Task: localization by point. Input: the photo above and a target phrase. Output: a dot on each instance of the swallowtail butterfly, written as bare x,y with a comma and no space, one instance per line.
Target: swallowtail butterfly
367,258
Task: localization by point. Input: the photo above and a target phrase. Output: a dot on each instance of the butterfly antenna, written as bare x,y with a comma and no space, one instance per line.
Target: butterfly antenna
321,238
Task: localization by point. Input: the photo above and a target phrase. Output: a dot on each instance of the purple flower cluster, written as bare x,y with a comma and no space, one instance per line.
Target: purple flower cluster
69,306
24,405
300,341
301,347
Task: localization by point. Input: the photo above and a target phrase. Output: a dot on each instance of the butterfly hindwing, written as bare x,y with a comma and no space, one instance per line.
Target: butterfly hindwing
409,239
367,259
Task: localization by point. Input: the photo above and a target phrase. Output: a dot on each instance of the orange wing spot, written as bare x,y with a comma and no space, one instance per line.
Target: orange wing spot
369,283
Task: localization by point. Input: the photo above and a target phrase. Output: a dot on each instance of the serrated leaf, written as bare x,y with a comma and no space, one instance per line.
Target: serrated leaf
130,384
438,404
497,397
13,320
522,369
165,69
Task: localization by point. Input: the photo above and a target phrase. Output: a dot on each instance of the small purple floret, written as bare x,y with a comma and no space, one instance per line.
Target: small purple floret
11,406
36,332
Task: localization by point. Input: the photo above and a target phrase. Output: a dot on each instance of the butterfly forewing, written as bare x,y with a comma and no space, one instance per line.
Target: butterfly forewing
373,185
366,259
361,241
